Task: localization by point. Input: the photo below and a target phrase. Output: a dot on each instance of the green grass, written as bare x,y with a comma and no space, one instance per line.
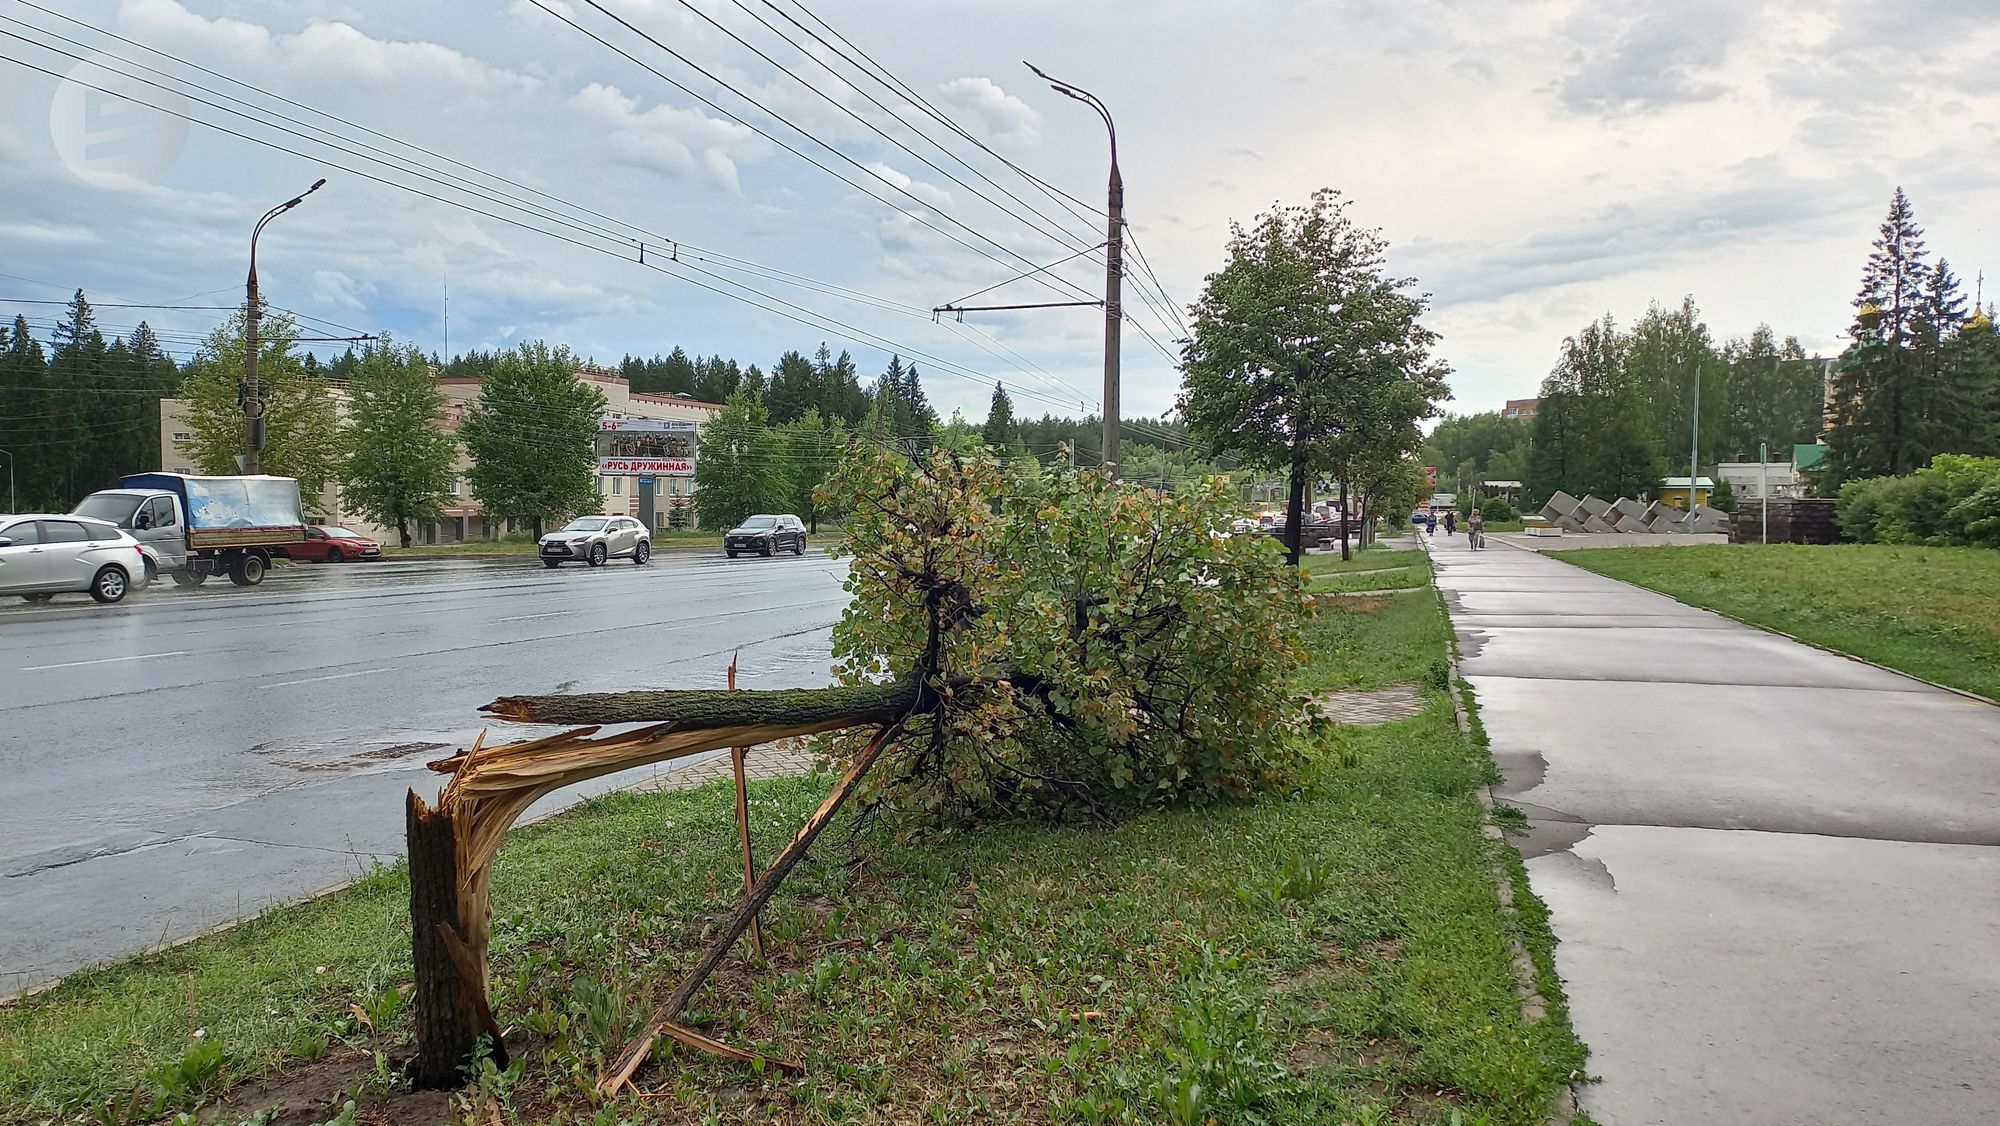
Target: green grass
1375,570
1334,954
1932,612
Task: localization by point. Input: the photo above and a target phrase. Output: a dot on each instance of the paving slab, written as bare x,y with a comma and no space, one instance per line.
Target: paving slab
1771,870
1898,766
1774,979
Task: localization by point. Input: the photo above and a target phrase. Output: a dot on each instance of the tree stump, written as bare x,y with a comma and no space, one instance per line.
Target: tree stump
449,1011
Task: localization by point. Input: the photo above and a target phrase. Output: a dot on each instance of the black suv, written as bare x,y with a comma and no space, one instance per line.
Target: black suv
766,535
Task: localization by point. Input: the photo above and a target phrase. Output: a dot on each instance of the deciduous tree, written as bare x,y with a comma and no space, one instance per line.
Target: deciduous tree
401,464
302,431
742,467
532,437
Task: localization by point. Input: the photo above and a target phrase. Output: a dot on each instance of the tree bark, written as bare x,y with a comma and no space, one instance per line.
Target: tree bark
1344,552
1295,504
446,1014
689,708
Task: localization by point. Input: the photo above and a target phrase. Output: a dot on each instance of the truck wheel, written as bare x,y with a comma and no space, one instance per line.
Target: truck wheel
597,555
247,569
188,580
110,583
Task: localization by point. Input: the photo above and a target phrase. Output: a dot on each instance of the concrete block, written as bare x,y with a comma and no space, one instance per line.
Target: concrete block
1625,506
1591,506
1569,523
1597,524
1708,521
1658,511
1544,530
1630,524
1560,505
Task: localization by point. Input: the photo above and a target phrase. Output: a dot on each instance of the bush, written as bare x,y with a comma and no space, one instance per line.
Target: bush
1940,504
1496,509
1722,497
1100,649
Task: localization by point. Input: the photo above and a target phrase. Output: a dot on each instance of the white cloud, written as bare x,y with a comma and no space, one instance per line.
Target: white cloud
1006,119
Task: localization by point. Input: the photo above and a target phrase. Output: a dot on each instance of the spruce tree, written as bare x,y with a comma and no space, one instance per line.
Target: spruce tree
999,431
1877,404
1946,405
76,382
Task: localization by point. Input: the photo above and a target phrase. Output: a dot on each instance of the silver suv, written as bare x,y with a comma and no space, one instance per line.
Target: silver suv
43,556
594,539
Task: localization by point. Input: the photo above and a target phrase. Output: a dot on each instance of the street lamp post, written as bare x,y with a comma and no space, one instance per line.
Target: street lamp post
253,402
1114,266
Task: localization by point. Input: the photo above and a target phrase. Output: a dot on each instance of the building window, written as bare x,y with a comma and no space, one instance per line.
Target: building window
618,486
660,486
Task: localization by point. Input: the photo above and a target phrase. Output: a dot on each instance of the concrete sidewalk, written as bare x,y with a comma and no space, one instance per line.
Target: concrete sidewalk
1771,869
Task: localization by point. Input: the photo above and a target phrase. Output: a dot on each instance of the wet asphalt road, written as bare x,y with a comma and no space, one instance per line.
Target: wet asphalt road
188,757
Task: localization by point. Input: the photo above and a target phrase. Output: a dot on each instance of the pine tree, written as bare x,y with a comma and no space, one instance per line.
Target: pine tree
401,464
793,388
999,431
76,381
1947,406
23,404
532,437
1876,414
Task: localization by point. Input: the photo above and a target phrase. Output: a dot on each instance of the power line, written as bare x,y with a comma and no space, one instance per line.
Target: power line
903,90
807,134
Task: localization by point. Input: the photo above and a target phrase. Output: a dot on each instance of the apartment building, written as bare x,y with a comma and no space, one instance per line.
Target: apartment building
646,456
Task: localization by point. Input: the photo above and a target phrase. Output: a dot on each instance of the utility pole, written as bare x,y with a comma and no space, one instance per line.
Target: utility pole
250,395
1764,484
1114,266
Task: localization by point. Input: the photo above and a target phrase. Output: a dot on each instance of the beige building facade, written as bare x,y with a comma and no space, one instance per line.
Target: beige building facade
645,460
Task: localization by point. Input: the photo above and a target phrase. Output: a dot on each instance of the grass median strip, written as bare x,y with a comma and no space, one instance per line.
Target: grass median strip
1335,954
1926,611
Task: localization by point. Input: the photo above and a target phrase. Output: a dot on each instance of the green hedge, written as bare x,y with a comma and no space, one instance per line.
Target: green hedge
1955,501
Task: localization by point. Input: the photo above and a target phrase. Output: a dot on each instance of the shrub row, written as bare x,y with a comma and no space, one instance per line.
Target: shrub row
1955,501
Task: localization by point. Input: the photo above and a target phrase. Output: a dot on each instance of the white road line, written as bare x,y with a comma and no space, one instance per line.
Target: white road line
317,679
532,617
104,661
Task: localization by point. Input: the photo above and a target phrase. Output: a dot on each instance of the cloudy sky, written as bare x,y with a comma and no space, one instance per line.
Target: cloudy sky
1534,164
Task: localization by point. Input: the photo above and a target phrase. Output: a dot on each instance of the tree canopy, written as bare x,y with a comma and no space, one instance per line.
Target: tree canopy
401,463
532,437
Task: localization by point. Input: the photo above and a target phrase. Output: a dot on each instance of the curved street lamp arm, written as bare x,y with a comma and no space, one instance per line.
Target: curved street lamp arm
273,214
1070,90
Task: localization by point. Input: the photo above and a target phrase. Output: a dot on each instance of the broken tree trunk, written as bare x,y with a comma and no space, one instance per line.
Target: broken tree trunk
739,919
450,1010
841,707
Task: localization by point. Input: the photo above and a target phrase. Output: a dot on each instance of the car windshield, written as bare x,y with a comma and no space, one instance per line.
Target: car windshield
341,533
585,524
756,522
107,506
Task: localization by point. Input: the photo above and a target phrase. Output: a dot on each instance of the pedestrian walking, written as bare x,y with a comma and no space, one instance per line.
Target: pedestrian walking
1475,529
1450,523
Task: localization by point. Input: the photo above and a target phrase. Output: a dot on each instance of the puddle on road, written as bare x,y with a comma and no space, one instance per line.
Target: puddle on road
343,757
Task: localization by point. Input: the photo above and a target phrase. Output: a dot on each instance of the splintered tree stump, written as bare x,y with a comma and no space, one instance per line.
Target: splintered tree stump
450,1010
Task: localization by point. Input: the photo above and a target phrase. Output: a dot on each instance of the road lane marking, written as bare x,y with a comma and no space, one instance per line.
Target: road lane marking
104,661
532,617
317,679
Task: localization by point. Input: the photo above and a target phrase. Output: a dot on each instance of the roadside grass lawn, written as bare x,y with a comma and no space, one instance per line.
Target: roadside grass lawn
1370,570
1330,955
1932,612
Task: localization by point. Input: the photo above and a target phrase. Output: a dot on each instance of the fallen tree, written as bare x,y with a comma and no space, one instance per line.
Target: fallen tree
1033,642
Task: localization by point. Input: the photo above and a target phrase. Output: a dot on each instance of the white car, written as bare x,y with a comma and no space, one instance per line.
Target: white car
43,556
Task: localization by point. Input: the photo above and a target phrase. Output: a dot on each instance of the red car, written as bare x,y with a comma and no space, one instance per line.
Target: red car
326,544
